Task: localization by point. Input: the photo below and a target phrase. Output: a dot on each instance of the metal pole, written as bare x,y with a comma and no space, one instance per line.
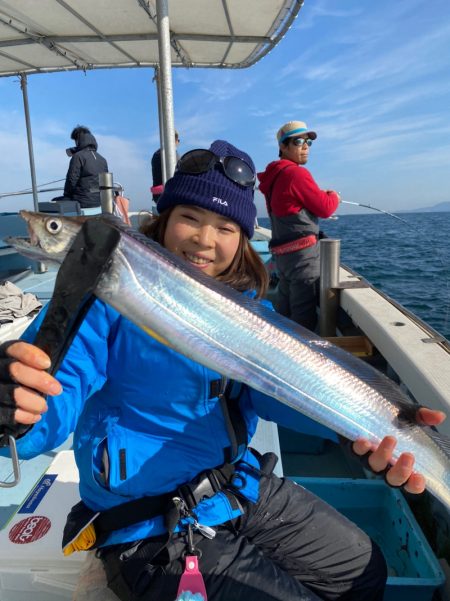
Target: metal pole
161,126
23,86
165,74
330,251
40,267
105,183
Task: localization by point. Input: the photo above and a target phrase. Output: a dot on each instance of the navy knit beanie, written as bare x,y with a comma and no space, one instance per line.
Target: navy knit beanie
213,190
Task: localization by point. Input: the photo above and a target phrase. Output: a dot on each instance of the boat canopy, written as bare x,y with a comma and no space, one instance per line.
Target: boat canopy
47,36
62,35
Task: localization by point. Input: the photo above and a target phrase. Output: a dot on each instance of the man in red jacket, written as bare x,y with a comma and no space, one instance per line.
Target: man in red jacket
295,203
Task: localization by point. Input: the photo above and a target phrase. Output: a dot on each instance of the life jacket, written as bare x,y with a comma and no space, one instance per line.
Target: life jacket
291,232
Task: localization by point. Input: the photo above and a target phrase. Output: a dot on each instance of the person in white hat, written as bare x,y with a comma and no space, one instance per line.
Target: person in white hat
295,203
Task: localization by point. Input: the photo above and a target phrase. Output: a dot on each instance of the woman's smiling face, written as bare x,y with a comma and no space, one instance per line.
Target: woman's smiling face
206,240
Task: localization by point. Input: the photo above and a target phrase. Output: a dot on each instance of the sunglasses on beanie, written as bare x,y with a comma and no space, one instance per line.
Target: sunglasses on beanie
202,160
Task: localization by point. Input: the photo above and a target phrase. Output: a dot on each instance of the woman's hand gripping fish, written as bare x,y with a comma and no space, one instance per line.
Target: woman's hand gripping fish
233,335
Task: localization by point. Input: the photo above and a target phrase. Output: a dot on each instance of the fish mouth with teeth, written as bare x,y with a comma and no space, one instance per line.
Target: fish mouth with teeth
50,236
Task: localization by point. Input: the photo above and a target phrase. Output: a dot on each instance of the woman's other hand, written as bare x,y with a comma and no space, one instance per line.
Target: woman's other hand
401,472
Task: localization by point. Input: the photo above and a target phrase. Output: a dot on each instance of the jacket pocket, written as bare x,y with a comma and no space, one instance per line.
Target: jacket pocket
129,462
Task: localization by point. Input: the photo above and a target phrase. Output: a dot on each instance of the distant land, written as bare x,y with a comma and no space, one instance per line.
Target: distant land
441,206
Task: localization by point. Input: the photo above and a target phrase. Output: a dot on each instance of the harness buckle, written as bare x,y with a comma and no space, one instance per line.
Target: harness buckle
206,485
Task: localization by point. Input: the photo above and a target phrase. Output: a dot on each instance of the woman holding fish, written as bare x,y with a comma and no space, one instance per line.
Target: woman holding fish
167,478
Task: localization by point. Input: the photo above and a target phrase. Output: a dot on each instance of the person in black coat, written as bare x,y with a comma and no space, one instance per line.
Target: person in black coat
157,170
85,165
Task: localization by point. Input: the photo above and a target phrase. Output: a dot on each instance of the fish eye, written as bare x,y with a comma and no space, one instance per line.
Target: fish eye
54,226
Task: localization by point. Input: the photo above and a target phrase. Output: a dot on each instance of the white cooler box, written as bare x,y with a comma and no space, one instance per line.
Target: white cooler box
32,565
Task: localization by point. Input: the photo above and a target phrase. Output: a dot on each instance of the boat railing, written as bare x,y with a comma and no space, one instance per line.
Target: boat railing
117,188
25,193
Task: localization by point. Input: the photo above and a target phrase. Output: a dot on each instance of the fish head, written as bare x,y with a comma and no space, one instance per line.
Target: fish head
50,236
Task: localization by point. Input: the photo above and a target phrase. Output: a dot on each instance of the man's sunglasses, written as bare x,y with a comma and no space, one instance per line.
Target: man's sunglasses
301,141
201,161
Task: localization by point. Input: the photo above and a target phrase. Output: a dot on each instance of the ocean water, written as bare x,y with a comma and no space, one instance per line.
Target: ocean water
408,261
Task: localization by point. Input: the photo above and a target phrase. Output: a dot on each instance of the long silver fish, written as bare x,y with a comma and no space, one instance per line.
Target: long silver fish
236,336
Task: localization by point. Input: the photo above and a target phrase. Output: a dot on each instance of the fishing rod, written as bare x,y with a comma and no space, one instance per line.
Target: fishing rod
359,204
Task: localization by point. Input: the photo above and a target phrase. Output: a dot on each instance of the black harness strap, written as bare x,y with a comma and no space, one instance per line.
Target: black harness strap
133,512
229,394
205,485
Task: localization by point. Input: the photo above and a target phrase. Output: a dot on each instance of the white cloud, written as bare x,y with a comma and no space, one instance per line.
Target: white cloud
256,112
130,165
301,69
433,157
395,141
309,14
225,86
198,129
378,50
189,76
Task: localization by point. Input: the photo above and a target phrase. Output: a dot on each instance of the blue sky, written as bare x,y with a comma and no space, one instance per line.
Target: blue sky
372,78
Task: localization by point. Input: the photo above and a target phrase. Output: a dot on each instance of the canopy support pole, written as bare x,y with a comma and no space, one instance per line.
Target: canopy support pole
165,83
160,125
39,267
23,86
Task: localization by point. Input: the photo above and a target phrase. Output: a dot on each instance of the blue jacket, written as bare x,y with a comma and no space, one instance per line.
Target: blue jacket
148,408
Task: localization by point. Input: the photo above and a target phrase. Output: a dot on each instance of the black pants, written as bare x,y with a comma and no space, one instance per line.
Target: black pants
298,286
290,546
297,299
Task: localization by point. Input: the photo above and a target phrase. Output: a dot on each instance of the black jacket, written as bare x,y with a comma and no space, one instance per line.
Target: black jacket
82,175
157,170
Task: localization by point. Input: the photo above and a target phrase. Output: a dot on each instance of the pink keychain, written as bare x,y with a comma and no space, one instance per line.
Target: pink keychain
192,585
192,580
